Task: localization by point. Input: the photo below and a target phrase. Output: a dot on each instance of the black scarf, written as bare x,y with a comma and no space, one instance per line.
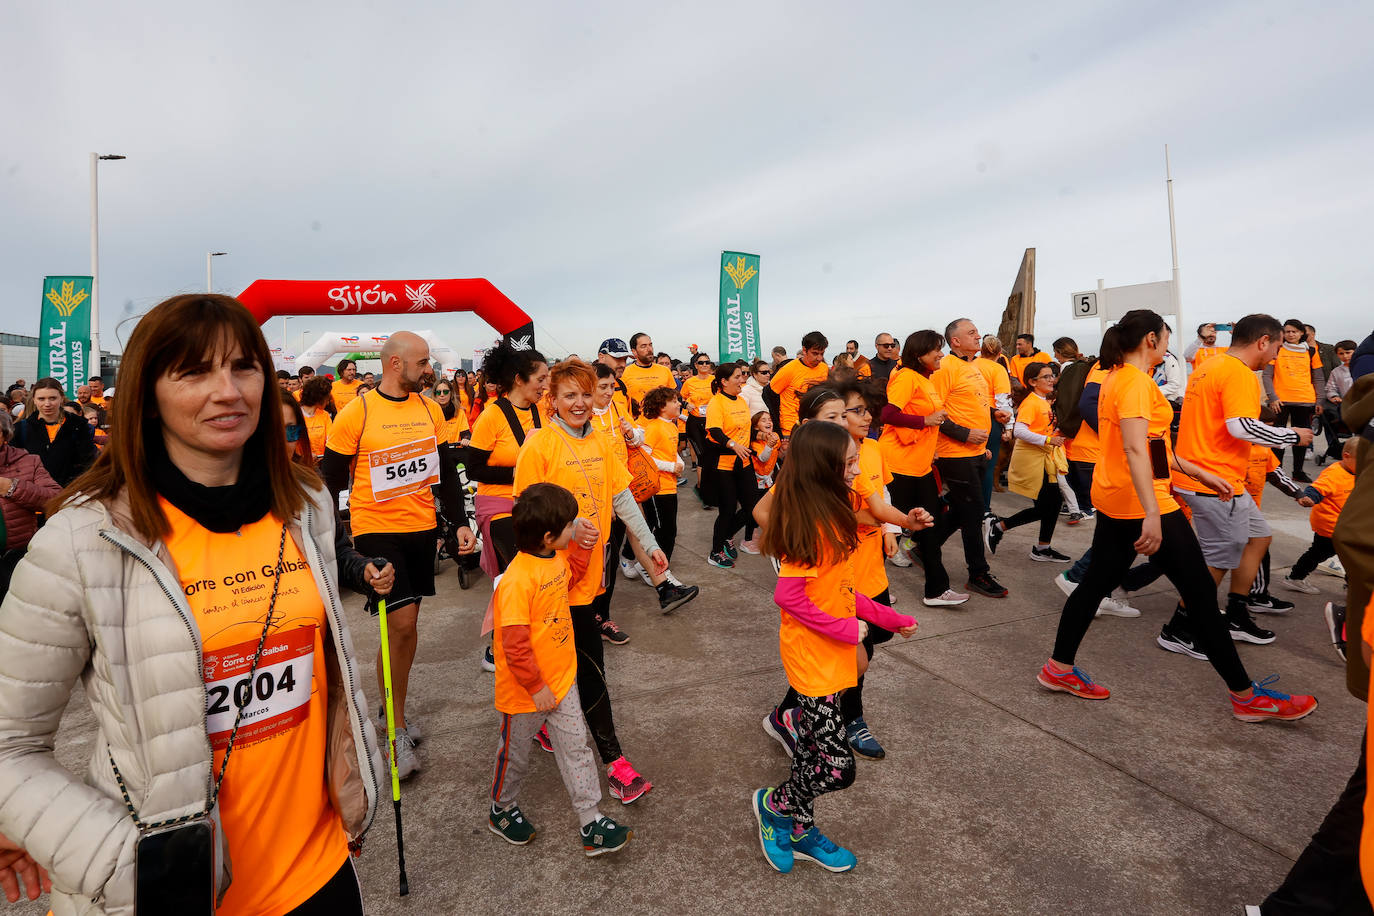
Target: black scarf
221,509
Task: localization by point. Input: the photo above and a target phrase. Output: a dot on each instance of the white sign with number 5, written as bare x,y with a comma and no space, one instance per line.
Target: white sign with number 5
1084,304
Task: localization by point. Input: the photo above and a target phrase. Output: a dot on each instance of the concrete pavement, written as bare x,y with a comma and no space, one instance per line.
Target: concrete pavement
996,796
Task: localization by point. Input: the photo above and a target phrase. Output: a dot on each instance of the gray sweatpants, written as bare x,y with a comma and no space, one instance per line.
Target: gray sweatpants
568,735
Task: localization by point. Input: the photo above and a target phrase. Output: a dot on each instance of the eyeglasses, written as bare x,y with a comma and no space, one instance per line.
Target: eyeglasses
886,345
859,411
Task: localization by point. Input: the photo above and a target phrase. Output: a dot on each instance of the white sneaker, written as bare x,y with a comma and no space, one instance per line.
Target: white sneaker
672,579
628,568
900,559
1065,586
950,598
1332,567
1116,605
644,574
1299,585
407,761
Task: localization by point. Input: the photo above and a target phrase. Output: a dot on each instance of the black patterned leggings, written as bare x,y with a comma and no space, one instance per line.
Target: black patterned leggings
821,763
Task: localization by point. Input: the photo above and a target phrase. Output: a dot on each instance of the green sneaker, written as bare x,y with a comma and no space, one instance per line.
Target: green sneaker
604,835
510,825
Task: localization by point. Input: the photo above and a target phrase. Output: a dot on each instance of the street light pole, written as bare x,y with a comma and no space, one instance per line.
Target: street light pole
95,258
209,271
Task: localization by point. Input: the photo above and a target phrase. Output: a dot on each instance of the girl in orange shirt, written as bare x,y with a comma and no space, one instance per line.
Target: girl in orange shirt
696,391
1137,514
736,489
763,444
813,533
1291,383
1036,438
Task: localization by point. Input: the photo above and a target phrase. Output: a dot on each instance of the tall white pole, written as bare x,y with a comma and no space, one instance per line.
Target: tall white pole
1176,289
209,272
94,360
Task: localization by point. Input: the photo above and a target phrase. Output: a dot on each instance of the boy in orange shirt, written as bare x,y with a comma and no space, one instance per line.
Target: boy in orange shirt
536,671
1326,497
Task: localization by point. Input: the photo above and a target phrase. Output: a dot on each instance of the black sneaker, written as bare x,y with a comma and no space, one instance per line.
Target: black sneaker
731,549
992,533
604,835
1301,477
613,634
510,825
1244,628
671,597
1335,623
1048,554
1176,639
984,584
1268,604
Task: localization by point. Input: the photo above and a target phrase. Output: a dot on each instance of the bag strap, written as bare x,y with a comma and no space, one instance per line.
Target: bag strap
517,428
238,717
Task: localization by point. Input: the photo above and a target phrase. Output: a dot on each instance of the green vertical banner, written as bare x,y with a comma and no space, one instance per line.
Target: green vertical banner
64,331
739,307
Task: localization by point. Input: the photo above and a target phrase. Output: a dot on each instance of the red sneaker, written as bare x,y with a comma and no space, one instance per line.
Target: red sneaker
625,784
543,738
1270,704
1075,682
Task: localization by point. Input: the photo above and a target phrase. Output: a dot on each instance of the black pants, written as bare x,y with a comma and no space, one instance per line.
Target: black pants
1298,416
591,680
1326,877
8,562
1081,481
963,479
1321,550
1181,559
909,492
735,494
340,896
1045,510
1261,584
1334,428
661,513
614,541
503,541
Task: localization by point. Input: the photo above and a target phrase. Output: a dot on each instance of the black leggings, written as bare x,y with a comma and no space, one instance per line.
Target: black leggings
340,896
503,541
909,492
1181,559
736,492
591,681
1045,510
1299,416
1322,549
661,513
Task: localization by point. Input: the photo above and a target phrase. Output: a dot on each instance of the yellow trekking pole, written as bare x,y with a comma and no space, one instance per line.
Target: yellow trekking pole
380,562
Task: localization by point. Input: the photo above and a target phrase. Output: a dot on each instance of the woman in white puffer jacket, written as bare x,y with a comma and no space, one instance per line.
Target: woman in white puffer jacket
191,548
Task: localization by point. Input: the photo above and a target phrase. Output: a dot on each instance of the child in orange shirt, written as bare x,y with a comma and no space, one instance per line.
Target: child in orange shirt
1326,497
813,532
763,444
536,671
658,417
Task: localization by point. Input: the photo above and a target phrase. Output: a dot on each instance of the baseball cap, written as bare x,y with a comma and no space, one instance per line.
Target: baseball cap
614,346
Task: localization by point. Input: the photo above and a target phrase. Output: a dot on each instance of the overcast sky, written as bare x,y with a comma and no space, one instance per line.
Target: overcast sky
890,162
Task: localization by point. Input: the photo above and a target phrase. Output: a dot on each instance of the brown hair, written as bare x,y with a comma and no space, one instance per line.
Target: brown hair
657,399
542,509
812,521
174,336
317,392
572,371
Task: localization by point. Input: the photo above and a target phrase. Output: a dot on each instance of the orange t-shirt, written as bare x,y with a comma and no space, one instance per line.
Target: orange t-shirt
317,428
1018,364
639,380
964,391
1334,484
999,382
344,393
870,572
909,452
1085,446
731,415
1126,394
492,433
53,429
1262,461
533,592
607,425
455,428
660,437
790,383
588,469
1218,390
1203,354
696,391
1293,375
817,665
397,445
1035,415
285,838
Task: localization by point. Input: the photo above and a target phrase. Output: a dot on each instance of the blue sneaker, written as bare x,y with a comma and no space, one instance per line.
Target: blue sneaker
775,833
781,730
814,846
861,740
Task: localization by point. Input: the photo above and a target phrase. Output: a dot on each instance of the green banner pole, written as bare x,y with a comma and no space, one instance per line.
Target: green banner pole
739,307
64,331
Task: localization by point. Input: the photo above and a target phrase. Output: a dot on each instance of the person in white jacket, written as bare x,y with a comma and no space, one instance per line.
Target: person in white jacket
759,375
191,570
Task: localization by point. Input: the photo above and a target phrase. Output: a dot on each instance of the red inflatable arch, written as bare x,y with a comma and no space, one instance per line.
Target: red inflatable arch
347,298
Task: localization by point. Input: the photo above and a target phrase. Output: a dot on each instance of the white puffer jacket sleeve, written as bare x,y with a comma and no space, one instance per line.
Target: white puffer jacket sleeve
84,836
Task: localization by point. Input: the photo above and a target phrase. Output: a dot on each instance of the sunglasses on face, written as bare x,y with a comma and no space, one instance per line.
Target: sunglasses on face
293,432
887,345
441,391
764,372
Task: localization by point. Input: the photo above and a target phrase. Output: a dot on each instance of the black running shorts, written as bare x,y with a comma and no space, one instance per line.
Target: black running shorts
412,553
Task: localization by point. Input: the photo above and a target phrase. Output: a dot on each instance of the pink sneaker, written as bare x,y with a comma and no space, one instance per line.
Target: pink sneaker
543,738
626,784
750,546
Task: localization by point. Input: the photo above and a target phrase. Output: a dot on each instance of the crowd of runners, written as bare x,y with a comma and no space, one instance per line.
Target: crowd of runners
183,554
